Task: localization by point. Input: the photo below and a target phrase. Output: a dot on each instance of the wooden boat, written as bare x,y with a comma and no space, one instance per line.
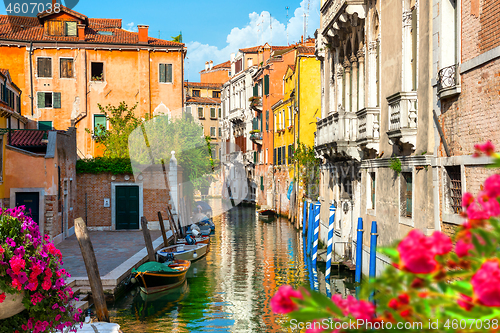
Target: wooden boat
182,252
154,277
198,240
205,230
149,306
267,215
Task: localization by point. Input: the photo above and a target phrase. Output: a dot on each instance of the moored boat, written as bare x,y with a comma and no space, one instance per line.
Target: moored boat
182,252
154,277
267,215
198,240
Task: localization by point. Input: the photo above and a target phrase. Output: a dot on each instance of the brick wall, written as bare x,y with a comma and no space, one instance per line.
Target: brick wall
472,117
98,187
52,227
480,28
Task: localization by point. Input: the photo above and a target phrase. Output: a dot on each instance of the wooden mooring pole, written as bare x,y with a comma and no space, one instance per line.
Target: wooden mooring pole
92,270
147,239
162,227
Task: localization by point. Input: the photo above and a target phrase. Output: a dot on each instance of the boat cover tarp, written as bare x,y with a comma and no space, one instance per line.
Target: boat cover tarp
153,266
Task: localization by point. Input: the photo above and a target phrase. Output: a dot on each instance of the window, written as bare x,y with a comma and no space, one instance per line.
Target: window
70,28
274,156
45,125
66,68
220,131
166,73
290,153
196,93
279,156
216,94
220,113
49,100
267,120
200,113
99,123
266,84
261,183
406,194
283,155
267,154
289,116
44,66
97,71
188,110
212,113
454,189
212,131
371,190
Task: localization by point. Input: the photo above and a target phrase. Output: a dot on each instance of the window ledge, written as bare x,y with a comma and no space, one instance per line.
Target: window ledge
453,219
371,212
406,221
449,92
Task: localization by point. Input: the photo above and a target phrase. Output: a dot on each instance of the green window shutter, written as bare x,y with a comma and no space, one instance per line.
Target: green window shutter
220,113
274,156
57,100
267,120
169,73
266,84
260,120
254,157
162,73
261,183
283,155
279,156
212,112
45,125
40,99
70,28
255,90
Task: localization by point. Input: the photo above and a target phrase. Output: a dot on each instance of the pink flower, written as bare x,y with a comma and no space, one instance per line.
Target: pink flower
282,302
463,247
17,264
492,186
488,148
418,252
486,283
467,199
361,309
465,302
2,297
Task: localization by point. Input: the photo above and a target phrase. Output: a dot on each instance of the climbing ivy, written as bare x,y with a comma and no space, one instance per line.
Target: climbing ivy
395,165
308,169
115,166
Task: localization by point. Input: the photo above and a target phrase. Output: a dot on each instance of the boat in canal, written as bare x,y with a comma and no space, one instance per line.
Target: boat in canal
182,252
157,304
267,215
198,240
154,277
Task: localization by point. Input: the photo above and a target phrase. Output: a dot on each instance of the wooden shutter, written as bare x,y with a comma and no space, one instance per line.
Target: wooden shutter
162,73
56,100
261,183
220,114
212,112
267,120
40,99
260,121
255,90
266,84
66,68
169,73
274,156
44,67
283,154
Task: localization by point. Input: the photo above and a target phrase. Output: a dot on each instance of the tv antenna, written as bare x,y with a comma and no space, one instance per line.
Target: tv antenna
287,8
306,14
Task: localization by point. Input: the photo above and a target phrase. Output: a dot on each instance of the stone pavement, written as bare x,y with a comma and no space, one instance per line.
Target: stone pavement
111,248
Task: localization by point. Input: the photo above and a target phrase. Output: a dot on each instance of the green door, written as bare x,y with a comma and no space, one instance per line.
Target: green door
127,207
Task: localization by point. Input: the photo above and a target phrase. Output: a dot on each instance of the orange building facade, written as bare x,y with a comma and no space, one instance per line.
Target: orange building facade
216,74
66,64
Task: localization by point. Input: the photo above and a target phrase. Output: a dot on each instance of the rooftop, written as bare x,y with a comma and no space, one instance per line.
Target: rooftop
202,100
226,64
203,85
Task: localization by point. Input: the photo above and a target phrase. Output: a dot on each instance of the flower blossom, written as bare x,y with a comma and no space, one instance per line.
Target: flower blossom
486,283
282,302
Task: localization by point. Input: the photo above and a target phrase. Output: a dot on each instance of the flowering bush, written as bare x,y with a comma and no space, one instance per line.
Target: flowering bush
30,264
433,285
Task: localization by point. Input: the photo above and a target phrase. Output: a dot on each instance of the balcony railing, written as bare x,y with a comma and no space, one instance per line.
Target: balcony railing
329,10
256,136
337,131
369,127
448,81
403,117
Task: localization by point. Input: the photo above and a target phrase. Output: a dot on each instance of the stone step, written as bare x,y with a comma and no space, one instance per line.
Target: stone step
83,305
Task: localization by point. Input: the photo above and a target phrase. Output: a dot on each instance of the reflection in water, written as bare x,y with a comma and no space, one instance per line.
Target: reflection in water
229,290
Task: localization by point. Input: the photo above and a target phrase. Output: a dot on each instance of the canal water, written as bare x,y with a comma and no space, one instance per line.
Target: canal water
229,290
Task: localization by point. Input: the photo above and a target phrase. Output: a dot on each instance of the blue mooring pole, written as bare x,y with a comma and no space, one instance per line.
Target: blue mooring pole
359,251
304,219
317,210
330,244
310,228
373,249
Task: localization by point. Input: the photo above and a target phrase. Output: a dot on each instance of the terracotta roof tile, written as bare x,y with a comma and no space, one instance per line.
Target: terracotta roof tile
305,50
203,85
31,29
27,138
226,64
203,100
254,49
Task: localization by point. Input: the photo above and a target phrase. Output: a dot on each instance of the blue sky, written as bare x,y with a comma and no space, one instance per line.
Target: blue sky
211,30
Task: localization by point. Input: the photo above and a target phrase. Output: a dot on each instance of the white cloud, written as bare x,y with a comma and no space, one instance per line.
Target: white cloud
260,29
130,27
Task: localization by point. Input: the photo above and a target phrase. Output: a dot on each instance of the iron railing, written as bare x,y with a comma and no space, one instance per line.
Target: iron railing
447,77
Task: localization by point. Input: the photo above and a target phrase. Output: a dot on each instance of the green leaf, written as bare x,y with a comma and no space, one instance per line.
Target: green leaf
462,287
309,314
390,252
325,302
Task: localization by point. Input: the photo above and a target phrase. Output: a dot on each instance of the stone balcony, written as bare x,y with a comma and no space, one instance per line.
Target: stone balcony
368,128
333,10
336,135
236,115
403,118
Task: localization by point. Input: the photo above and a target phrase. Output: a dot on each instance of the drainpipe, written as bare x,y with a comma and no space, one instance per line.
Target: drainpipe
31,76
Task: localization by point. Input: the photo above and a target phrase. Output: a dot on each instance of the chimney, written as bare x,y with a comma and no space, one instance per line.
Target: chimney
81,32
232,57
211,64
266,53
143,33
206,65
54,3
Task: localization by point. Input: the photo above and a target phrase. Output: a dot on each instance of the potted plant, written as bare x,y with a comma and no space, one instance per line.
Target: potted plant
33,291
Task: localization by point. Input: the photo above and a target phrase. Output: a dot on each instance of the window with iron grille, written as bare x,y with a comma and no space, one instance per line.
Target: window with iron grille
212,113
371,186
44,66
454,188
200,113
212,131
406,194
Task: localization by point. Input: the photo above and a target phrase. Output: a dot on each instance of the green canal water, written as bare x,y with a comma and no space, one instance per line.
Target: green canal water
229,290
